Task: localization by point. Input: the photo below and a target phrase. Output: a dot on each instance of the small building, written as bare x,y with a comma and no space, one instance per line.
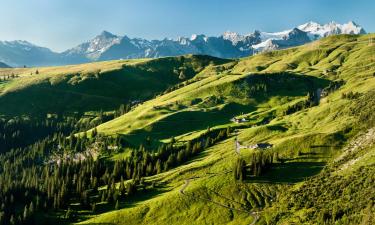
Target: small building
239,120
261,146
113,147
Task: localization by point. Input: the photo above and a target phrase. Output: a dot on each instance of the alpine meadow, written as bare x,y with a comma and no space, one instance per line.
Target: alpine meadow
255,129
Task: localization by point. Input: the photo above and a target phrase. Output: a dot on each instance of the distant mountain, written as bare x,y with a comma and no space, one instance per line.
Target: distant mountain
3,65
304,33
20,53
93,49
317,31
284,39
107,46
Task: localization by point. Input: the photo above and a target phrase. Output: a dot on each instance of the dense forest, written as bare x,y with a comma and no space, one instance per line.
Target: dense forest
51,168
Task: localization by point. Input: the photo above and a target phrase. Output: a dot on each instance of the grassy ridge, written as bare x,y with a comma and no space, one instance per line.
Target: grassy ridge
94,86
308,140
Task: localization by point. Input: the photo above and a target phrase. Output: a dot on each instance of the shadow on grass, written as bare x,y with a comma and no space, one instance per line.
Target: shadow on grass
291,172
184,122
124,203
131,201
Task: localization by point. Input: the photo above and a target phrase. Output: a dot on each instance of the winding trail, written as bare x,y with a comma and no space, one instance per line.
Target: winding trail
255,215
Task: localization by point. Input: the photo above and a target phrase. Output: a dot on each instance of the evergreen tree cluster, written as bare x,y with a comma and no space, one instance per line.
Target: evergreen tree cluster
45,176
350,95
259,162
20,132
310,101
8,77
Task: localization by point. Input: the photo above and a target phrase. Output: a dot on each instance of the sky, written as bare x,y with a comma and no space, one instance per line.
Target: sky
63,24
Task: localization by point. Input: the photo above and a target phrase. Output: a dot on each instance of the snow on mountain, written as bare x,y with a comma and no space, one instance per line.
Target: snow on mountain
267,44
352,28
317,30
107,46
94,48
199,37
264,36
304,33
20,53
279,40
233,37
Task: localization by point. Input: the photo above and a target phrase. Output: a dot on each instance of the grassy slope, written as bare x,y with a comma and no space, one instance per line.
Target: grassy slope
308,139
93,86
176,108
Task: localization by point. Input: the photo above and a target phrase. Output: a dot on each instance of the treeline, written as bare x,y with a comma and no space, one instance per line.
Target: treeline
310,101
333,86
33,182
20,132
8,77
259,162
312,98
124,108
350,95
143,163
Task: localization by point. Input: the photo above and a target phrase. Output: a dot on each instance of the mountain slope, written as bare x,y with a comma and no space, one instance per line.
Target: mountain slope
315,142
101,86
245,141
3,65
228,45
315,59
23,53
317,30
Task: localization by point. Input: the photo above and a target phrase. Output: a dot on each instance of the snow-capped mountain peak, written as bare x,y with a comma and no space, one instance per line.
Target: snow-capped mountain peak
233,37
18,43
274,36
352,28
283,39
198,37
108,46
317,30
95,47
106,34
309,26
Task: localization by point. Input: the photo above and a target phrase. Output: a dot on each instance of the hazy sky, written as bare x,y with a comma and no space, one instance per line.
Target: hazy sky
62,24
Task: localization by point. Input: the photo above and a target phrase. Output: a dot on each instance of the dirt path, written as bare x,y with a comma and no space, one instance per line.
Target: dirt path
255,215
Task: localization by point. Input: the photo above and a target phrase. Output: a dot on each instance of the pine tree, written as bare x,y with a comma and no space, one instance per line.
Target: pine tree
93,207
31,209
122,186
2,218
25,213
68,213
12,221
158,166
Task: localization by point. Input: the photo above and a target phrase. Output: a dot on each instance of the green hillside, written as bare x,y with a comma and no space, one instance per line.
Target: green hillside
174,158
94,86
249,86
307,140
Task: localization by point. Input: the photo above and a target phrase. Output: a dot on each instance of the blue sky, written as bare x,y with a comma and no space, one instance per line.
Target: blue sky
61,24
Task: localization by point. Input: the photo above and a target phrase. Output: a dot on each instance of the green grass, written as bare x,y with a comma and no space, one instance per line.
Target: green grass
94,86
308,140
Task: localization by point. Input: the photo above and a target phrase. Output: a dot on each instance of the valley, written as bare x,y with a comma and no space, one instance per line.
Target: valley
156,140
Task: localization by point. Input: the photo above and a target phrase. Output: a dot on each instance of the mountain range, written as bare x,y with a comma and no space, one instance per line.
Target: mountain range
3,65
108,46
